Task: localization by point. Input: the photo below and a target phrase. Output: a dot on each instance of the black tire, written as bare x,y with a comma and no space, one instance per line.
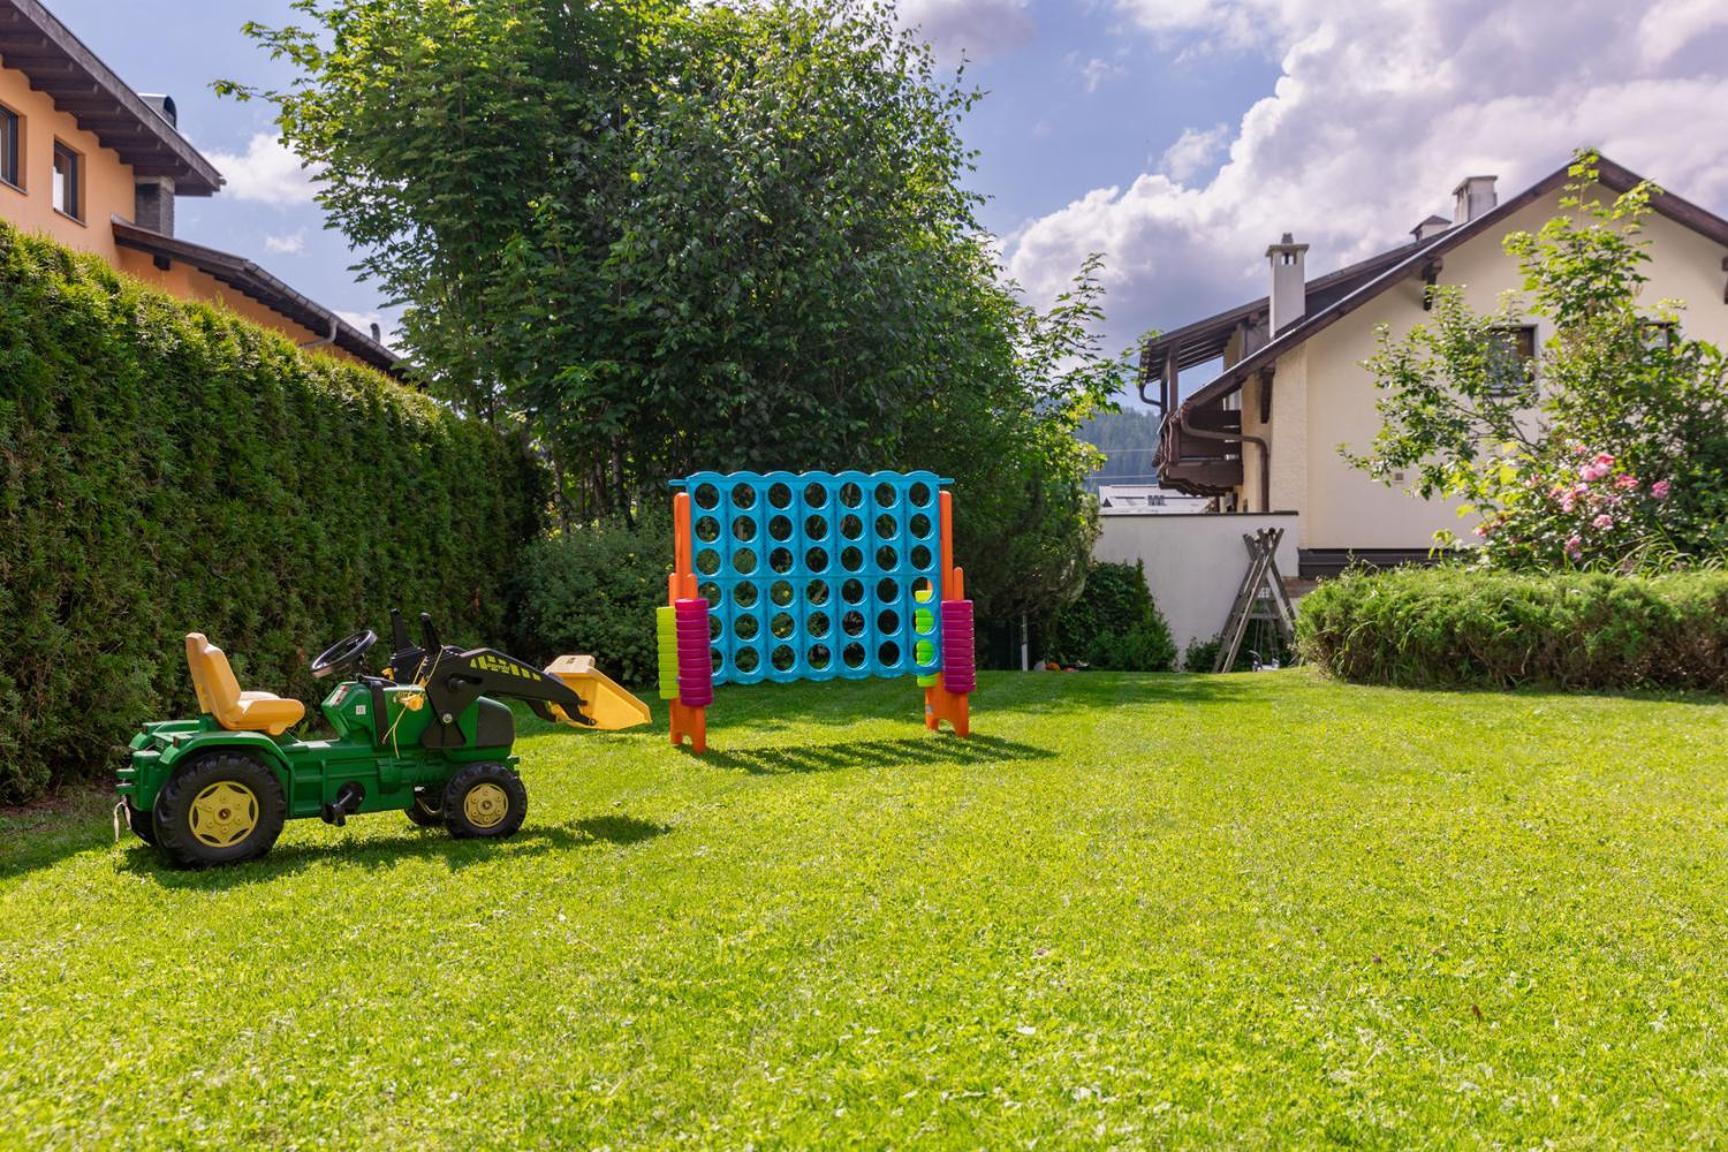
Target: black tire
222,808
143,824
484,802
426,811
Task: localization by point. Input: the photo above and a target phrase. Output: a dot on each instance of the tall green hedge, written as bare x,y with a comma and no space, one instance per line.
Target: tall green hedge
1453,627
167,467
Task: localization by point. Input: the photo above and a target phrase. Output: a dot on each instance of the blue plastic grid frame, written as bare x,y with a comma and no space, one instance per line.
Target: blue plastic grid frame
816,575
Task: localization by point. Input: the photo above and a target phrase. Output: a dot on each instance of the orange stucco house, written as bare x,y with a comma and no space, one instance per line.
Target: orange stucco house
98,167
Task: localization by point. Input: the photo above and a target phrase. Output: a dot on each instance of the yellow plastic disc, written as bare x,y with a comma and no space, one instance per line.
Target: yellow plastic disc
486,805
224,814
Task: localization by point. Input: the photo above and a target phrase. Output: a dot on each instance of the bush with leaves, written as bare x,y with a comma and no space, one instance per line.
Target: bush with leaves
1613,452
1453,627
1114,624
594,590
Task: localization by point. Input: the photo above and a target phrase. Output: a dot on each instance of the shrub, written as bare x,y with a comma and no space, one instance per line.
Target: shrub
168,467
594,590
1114,623
1448,627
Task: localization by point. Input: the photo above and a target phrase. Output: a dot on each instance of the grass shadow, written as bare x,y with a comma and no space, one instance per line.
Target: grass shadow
839,757
375,853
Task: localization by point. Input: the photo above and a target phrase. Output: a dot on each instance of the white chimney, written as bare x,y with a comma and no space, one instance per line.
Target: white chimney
1474,196
1289,283
1430,228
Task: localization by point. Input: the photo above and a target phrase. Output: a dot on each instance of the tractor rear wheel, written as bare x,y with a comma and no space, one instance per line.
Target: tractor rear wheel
428,809
484,802
222,808
142,823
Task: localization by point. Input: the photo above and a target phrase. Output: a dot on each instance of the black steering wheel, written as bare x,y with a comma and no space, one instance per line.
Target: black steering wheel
344,654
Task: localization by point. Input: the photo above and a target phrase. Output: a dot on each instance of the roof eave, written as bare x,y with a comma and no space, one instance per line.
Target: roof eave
81,85
260,284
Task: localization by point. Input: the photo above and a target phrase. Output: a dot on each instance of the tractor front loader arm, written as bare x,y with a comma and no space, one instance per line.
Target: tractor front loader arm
456,679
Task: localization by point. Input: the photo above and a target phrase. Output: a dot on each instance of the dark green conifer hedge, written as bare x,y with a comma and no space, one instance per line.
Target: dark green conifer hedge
167,467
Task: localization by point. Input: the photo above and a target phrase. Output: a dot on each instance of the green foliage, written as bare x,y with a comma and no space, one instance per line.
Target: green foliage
1260,912
594,590
1114,623
1613,452
666,237
1452,627
167,468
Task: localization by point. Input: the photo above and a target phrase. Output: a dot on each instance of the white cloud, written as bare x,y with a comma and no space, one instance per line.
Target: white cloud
1380,107
976,28
267,173
290,243
1096,71
1194,151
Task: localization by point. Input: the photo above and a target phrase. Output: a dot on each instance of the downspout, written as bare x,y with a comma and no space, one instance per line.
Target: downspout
1241,438
325,341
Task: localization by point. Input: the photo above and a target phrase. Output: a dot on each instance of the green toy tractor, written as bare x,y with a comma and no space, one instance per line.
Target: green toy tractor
428,738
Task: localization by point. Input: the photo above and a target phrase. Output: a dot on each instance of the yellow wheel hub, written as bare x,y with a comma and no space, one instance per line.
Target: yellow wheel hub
486,805
224,814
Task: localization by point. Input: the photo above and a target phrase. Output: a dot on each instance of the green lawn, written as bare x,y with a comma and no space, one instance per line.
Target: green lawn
1261,910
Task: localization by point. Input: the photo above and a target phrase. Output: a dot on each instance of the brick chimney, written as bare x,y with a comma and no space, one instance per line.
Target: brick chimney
1289,282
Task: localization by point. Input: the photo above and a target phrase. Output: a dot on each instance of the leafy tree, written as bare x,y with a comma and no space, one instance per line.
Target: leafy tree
1612,450
659,236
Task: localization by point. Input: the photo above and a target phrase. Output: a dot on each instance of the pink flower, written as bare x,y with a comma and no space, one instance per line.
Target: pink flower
1568,502
1604,460
1574,547
1659,489
1626,483
1593,471
1603,522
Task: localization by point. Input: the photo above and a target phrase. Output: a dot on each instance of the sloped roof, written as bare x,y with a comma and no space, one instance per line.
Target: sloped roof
1614,177
34,42
250,280
1204,340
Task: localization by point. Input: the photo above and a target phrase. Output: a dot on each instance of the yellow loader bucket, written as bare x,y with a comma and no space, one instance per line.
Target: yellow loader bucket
609,705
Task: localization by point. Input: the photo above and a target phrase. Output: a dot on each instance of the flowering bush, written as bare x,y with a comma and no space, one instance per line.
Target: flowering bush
1592,513
1610,451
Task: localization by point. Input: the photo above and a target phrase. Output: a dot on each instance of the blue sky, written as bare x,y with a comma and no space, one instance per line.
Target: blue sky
1178,137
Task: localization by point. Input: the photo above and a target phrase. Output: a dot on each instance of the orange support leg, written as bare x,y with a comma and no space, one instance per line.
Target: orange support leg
681,585
939,703
691,722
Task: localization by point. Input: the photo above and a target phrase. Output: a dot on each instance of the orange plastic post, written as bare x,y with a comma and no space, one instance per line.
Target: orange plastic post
681,585
939,703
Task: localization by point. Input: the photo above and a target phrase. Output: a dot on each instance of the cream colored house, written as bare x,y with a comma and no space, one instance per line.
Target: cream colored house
1263,435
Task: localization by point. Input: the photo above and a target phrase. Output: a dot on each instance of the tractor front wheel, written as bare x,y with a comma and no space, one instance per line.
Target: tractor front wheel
484,802
223,808
427,810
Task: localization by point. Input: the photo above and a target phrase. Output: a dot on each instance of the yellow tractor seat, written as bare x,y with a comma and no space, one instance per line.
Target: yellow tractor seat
219,693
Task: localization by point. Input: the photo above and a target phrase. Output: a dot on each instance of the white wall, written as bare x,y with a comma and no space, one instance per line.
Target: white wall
1194,564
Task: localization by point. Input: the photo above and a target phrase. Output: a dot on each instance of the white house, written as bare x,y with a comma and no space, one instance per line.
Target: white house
1263,435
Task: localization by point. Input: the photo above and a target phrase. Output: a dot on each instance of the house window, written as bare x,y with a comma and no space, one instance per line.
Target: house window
9,150
1512,358
11,147
68,181
1660,334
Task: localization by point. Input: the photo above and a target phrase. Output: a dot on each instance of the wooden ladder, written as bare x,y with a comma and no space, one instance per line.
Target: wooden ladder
1262,582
